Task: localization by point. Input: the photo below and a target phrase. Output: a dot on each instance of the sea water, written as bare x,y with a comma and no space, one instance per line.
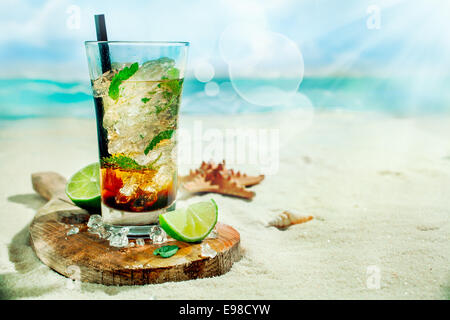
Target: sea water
25,98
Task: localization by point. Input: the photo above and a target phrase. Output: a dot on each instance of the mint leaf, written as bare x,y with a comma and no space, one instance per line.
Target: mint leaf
172,101
174,86
174,109
145,100
173,73
120,161
158,109
124,162
166,251
156,139
121,76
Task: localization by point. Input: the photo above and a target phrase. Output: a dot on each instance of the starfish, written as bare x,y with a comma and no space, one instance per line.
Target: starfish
211,177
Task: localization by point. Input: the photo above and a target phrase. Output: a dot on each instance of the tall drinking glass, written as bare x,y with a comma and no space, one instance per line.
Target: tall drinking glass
137,91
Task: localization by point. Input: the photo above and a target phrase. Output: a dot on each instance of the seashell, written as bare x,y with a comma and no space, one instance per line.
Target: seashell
286,219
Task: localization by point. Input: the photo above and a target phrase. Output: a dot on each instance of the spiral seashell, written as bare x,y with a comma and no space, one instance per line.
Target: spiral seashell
286,219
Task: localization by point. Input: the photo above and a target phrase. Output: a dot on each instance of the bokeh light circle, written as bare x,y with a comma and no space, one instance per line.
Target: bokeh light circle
212,89
204,71
265,67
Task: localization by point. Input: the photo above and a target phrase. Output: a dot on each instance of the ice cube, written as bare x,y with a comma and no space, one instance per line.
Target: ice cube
140,242
124,231
129,187
213,234
164,176
101,84
101,232
128,192
158,235
207,251
95,221
149,190
120,65
73,230
93,231
153,69
118,240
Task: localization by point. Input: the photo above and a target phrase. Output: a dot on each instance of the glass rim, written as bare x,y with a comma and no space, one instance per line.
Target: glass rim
155,43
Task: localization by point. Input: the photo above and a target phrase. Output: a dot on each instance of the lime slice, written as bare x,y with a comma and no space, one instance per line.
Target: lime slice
83,188
191,224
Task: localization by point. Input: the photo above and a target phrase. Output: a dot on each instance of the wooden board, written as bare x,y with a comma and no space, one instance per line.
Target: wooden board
83,256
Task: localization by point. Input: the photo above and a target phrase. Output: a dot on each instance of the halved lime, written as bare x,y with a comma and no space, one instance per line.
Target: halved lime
191,224
83,188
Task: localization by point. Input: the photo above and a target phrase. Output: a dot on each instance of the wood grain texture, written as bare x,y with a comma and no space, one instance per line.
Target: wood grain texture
95,261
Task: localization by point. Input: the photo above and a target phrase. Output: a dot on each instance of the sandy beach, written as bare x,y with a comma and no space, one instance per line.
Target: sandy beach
378,187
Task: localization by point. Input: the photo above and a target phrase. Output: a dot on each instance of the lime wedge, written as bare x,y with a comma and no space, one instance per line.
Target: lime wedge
191,224
83,188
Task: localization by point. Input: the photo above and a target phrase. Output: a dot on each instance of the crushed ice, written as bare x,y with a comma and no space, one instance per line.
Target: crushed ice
95,221
213,234
73,230
158,235
119,237
140,242
207,251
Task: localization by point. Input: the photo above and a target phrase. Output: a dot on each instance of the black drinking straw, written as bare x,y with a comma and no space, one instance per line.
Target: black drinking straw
100,27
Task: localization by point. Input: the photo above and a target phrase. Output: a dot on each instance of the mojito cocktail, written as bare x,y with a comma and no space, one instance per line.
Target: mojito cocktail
137,105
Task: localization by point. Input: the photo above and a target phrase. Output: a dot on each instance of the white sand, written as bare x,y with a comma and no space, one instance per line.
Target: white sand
378,187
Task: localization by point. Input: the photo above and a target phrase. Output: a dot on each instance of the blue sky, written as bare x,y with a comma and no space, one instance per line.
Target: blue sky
44,39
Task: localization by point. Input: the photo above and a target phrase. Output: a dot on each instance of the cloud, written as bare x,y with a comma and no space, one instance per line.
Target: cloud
36,41
33,25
